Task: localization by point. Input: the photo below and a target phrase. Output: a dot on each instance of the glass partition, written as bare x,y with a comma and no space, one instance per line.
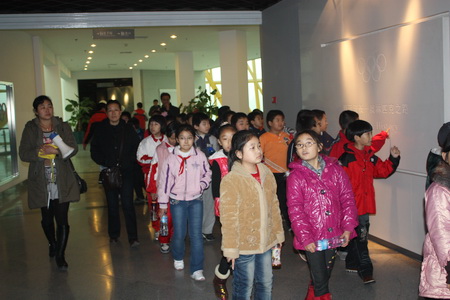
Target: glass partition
8,150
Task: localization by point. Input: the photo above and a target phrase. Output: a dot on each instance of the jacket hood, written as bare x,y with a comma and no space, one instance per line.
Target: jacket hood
441,174
298,164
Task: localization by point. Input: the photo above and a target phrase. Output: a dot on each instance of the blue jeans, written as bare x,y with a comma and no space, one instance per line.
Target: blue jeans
252,270
187,214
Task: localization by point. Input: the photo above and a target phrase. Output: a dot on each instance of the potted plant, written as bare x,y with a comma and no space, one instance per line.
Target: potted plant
80,115
202,103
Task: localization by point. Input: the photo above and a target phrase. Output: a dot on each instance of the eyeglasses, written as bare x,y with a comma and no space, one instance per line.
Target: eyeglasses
305,145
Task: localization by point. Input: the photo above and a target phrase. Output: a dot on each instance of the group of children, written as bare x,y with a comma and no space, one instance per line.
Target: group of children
239,174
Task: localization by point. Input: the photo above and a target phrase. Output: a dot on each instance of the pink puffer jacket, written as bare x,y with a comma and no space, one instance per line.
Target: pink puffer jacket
320,207
436,249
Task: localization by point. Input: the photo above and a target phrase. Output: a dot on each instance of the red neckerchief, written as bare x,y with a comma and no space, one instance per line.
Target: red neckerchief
256,175
183,162
156,140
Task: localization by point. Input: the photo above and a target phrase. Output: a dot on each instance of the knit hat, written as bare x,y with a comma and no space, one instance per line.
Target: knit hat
443,133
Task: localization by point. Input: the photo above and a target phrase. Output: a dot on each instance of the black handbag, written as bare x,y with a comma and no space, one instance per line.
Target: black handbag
112,177
81,182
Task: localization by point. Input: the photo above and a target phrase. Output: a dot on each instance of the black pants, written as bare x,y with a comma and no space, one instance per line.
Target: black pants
139,182
320,266
56,211
125,195
281,194
358,252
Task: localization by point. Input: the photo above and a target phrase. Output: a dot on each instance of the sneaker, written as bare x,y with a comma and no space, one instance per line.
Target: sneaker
178,265
351,270
342,254
368,279
198,276
209,237
164,248
156,235
134,244
302,255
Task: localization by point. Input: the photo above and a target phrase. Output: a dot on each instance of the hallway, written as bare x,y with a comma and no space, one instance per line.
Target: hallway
100,270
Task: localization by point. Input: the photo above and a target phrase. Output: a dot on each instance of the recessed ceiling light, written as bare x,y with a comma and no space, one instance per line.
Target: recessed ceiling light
131,68
140,60
173,36
85,69
88,62
146,56
163,44
89,57
153,51
135,65
90,51
93,45
85,66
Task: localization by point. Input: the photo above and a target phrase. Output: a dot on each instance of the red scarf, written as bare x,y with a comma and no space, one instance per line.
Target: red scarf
183,162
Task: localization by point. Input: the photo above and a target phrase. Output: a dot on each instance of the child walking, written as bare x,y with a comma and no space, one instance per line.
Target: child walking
219,168
250,217
434,277
321,206
362,166
184,176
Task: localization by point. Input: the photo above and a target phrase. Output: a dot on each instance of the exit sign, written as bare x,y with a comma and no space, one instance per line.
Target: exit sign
103,33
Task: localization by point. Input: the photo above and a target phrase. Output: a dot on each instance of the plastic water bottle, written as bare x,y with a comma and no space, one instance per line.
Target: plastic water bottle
164,230
153,213
325,244
276,256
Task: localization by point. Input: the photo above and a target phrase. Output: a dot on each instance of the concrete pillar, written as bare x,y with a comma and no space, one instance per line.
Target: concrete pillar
233,65
184,74
137,89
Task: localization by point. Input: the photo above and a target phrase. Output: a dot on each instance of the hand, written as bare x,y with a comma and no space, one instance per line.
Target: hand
154,196
387,131
161,212
232,262
49,149
346,237
395,152
311,248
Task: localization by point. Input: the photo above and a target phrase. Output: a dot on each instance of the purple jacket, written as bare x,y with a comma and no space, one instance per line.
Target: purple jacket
187,186
320,207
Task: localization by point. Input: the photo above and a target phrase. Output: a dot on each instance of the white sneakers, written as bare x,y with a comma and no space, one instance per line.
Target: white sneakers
198,276
178,265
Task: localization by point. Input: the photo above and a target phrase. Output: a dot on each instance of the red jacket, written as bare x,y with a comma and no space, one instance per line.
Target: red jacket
362,166
96,117
338,147
140,115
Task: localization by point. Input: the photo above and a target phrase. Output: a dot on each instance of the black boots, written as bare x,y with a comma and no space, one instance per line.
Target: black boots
61,243
49,230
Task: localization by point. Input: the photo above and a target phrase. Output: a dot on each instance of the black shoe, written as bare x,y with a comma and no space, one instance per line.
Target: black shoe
61,243
368,279
113,240
208,237
134,243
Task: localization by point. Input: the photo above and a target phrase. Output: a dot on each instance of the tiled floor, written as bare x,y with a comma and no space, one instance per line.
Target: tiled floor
98,270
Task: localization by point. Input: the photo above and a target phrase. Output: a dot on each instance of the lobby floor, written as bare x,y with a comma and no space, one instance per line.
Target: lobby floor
100,270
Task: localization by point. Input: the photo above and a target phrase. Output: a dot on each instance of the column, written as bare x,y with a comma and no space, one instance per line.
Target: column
184,74
233,65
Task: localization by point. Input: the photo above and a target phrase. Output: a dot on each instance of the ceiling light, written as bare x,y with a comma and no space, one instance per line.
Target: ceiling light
85,66
153,51
140,60
173,36
131,68
85,69
93,45
135,65
146,56
88,62
163,44
89,57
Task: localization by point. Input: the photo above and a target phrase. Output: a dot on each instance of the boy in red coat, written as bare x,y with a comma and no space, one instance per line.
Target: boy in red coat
362,166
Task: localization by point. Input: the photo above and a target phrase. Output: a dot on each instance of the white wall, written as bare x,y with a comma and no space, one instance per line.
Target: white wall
416,75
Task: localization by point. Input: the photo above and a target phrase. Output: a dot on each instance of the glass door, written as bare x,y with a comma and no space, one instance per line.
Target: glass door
8,150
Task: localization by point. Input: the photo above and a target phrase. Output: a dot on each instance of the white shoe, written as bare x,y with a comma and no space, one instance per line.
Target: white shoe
198,276
156,235
178,265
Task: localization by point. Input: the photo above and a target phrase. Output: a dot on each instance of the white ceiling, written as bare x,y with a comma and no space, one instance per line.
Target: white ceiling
71,47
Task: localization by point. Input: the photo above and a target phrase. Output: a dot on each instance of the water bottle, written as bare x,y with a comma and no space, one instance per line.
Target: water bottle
164,230
325,244
276,256
154,214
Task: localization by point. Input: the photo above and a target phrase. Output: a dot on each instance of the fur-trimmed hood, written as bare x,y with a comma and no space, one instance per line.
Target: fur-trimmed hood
441,174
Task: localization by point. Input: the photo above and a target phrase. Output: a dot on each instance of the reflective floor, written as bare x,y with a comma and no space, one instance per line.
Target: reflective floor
100,270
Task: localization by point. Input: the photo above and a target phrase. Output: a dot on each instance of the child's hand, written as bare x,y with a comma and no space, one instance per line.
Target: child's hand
232,262
161,212
387,131
154,196
311,247
346,237
395,152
